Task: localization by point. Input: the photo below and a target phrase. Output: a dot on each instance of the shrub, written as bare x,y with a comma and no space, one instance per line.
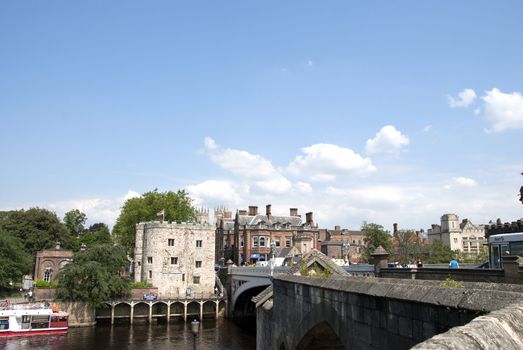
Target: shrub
44,284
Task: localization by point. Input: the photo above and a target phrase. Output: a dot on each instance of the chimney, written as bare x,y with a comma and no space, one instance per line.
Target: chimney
268,211
243,212
395,225
253,210
293,211
337,228
308,218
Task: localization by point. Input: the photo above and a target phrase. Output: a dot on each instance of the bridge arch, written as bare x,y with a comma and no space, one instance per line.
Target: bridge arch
265,282
320,326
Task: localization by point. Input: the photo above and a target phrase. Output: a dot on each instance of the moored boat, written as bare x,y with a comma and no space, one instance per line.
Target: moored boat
32,319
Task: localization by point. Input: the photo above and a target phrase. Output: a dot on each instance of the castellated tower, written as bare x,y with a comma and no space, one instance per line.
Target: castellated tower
177,258
202,215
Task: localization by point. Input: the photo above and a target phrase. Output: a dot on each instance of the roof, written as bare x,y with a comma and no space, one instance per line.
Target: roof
263,219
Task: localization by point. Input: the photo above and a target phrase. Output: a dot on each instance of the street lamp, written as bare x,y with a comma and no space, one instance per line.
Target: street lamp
346,249
273,245
195,328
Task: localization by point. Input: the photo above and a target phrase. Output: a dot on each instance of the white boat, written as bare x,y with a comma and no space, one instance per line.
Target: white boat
32,319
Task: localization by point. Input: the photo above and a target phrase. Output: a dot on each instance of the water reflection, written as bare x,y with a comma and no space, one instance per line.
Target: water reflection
214,334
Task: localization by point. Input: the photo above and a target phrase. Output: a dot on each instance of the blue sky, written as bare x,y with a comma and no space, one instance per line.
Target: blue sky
358,111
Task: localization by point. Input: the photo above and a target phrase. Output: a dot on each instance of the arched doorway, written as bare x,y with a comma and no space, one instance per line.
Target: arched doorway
321,336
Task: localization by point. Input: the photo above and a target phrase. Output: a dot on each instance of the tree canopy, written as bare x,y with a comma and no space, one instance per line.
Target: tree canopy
96,234
177,206
74,221
14,261
407,246
375,236
95,275
37,229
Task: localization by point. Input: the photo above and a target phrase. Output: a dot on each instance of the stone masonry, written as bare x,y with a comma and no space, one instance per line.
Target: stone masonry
177,258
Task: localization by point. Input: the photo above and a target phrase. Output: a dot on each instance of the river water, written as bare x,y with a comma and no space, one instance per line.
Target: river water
214,334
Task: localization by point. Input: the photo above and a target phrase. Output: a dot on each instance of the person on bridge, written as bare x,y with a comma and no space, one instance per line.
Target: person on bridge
453,264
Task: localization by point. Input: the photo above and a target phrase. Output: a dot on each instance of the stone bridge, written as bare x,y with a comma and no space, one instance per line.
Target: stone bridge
376,313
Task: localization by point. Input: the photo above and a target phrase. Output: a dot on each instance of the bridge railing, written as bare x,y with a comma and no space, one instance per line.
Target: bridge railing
259,271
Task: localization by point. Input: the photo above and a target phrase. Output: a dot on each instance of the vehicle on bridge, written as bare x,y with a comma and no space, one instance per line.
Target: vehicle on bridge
504,244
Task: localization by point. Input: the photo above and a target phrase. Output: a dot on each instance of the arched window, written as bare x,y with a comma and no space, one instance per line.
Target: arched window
48,274
262,241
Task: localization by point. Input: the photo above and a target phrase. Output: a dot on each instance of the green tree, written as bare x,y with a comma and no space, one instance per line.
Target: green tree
406,246
14,261
96,234
375,236
437,252
74,221
95,275
37,229
177,206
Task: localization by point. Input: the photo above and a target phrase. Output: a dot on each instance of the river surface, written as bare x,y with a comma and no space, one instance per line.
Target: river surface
214,334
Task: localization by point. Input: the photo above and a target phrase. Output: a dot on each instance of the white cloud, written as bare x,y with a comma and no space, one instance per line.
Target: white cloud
303,187
387,140
461,182
324,162
214,191
503,110
465,182
464,99
248,166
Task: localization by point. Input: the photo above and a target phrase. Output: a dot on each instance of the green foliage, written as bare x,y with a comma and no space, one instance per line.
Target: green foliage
141,285
37,229
451,283
407,246
95,275
375,236
14,261
44,284
315,270
96,234
74,222
437,252
177,207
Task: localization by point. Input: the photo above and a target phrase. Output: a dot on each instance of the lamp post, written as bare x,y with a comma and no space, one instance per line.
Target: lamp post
273,245
195,328
346,249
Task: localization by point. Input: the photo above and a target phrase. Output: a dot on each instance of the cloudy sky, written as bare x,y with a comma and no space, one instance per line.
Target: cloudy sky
358,111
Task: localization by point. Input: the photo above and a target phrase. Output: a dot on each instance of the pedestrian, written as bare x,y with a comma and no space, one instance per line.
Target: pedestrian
419,264
453,264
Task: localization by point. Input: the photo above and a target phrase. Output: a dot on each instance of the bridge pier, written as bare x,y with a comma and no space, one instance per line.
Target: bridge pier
112,313
169,311
201,310
132,312
150,312
185,311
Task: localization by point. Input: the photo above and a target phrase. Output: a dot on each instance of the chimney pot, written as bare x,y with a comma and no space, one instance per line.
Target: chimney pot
293,211
253,210
268,211
395,225
308,218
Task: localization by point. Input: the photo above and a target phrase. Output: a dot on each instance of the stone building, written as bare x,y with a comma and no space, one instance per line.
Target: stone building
224,235
177,258
50,261
465,236
332,243
254,234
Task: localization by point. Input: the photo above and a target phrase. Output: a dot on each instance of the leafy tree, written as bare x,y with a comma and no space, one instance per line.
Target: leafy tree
406,246
14,261
74,221
375,236
96,234
37,229
437,252
95,275
177,206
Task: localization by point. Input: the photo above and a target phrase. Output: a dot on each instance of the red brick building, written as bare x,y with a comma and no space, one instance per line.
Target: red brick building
249,237
332,243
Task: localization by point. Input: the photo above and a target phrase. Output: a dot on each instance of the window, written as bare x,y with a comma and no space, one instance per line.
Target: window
255,242
455,240
149,259
150,274
276,241
170,242
196,280
241,242
198,244
183,277
174,260
47,274
198,264
262,241
287,242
